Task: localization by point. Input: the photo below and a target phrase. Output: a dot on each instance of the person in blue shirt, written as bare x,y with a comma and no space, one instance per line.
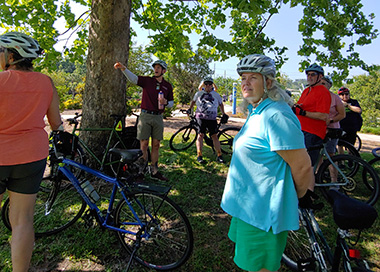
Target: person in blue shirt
270,170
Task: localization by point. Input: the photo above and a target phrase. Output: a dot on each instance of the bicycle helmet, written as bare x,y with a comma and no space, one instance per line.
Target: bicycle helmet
208,79
315,68
343,90
162,63
328,79
257,63
25,46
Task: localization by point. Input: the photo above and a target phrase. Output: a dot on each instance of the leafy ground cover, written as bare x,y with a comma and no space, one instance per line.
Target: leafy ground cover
198,190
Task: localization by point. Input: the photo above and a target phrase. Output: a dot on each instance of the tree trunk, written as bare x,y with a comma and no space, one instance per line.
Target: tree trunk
104,94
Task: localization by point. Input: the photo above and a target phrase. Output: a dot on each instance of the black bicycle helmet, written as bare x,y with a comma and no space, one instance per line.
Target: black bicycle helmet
257,63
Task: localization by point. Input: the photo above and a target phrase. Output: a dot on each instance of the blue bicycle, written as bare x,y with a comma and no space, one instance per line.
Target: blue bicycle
149,225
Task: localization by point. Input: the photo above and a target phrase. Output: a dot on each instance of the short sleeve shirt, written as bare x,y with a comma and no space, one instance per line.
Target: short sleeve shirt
151,88
353,120
314,99
335,101
259,189
207,104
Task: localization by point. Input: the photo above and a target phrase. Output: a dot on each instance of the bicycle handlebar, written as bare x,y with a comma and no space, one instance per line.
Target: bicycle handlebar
374,152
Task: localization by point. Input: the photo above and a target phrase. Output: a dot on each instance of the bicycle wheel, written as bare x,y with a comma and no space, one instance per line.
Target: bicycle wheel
347,148
56,209
363,182
358,143
183,138
226,138
167,237
375,163
307,243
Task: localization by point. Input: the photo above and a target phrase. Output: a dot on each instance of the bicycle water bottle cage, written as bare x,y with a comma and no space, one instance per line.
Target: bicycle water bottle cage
306,265
350,213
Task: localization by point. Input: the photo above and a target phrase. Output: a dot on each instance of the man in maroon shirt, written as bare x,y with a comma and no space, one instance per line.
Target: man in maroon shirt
151,123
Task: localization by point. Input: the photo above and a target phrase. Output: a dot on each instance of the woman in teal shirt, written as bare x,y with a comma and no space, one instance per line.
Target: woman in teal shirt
270,169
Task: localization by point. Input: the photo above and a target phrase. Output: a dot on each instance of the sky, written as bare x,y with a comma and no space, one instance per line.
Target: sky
283,28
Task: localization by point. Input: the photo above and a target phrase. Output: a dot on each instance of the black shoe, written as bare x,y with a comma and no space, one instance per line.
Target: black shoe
159,176
220,159
200,160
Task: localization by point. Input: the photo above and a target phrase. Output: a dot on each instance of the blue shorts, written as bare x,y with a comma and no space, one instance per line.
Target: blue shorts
22,178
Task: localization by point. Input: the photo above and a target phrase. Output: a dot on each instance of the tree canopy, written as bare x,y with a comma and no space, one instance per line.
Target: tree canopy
331,30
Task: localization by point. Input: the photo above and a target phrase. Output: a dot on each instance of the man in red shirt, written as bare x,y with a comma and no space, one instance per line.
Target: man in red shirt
151,123
312,110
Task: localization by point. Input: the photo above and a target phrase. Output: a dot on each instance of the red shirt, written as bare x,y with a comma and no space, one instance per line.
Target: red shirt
314,99
151,88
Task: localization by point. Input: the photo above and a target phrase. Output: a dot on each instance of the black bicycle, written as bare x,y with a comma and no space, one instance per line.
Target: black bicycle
187,135
308,250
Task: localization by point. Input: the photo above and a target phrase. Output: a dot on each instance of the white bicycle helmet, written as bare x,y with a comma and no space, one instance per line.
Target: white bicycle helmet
162,63
208,79
257,63
25,46
328,80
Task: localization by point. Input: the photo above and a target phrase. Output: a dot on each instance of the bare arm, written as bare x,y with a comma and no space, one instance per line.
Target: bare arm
302,171
53,114
221,106
341,113
354,108
317,115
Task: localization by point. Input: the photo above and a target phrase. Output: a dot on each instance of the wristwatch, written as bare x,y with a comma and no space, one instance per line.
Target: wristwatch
331,121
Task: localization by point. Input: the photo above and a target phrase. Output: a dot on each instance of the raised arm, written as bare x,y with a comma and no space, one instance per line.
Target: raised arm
128,74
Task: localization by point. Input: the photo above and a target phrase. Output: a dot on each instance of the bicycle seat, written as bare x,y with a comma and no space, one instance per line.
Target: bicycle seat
333,133
127,155
351,213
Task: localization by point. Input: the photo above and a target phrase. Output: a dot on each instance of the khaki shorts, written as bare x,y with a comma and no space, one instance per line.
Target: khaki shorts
150,125
22,178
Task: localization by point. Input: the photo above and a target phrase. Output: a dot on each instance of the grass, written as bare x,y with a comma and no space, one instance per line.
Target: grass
197,189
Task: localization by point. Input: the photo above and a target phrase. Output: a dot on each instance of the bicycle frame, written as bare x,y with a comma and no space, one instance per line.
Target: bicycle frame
341,248
323,153
117,186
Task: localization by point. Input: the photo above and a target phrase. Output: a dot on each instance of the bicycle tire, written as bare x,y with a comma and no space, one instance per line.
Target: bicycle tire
183,138
348,148
226,138
299,245
375,163
55,209
358,143
364,184
170,240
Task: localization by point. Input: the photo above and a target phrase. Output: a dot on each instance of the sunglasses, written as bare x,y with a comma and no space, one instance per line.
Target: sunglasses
208,84
312,74
344,94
